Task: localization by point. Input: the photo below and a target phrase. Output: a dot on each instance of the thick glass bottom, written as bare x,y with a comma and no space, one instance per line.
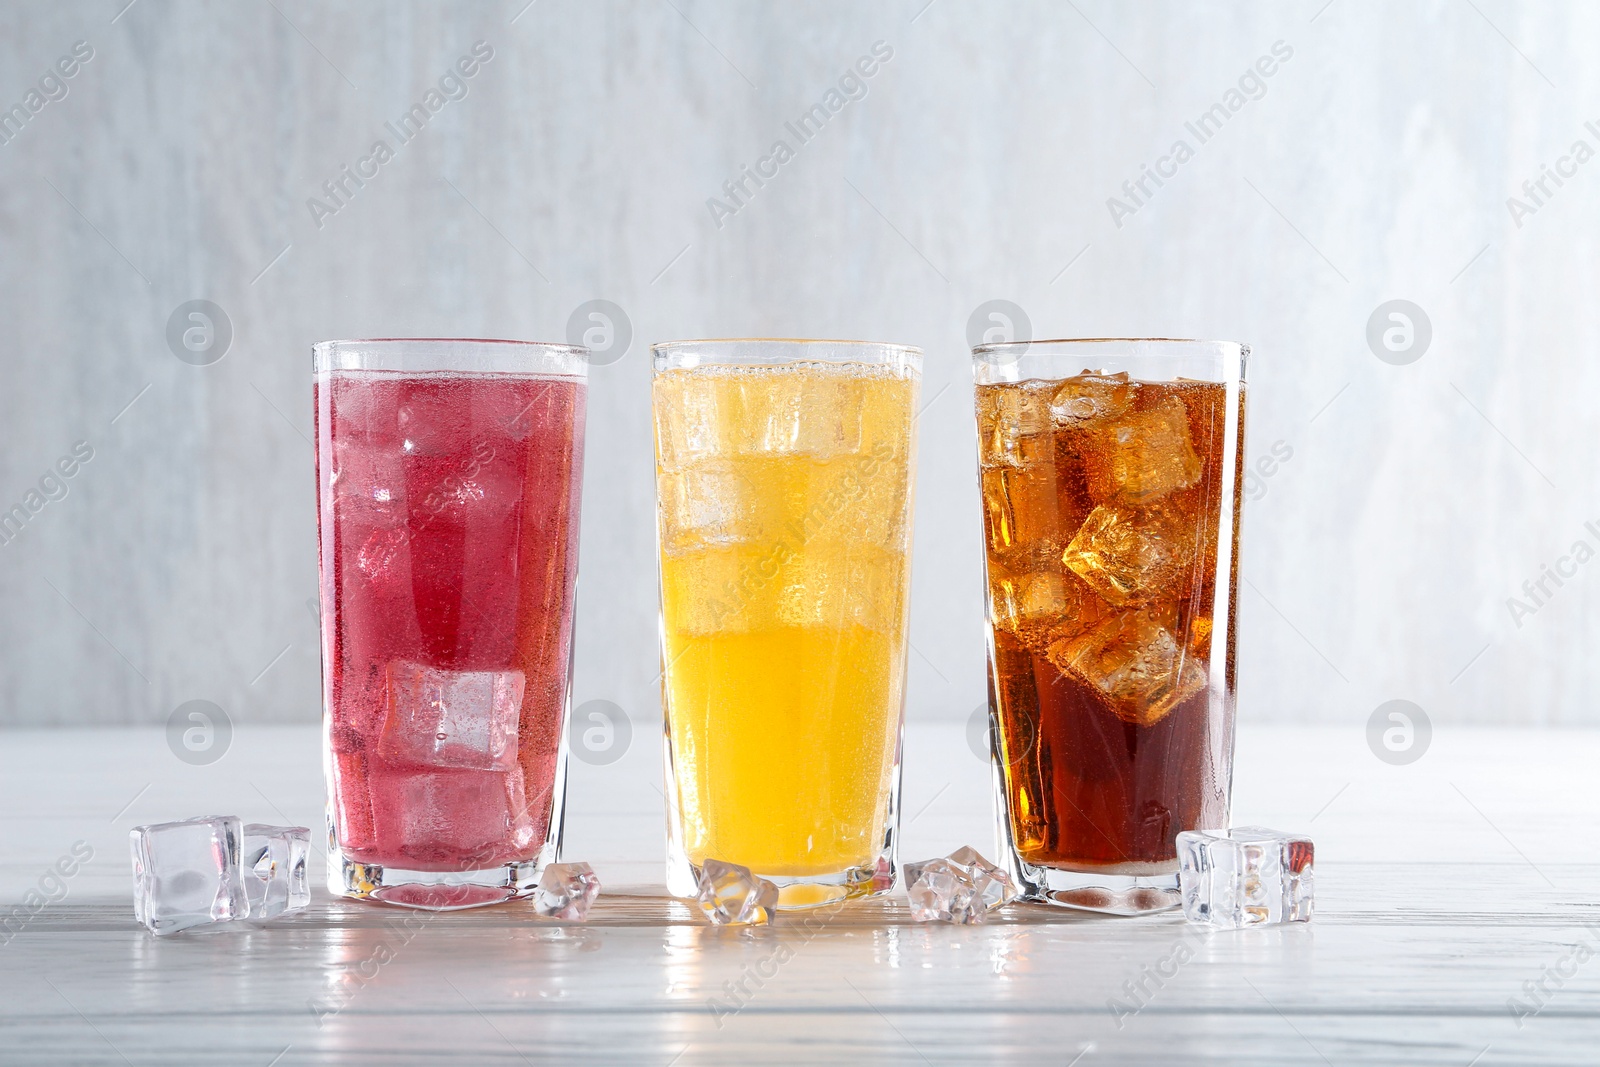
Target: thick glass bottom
1112,894
435,890
799,891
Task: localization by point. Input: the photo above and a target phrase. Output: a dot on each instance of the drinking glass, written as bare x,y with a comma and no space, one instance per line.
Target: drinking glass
1111,502
448,478
784,485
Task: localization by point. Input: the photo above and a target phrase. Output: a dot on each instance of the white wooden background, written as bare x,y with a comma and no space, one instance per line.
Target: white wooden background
1443,887
1376,166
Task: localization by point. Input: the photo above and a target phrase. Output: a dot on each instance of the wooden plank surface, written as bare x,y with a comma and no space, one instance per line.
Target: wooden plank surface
1443,888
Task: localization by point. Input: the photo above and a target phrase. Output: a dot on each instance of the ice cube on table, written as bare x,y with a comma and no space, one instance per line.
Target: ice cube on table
1143,456
274,868
962,887
1131,555
187,873
565,891
730,895
1136,662
462,719
1247,876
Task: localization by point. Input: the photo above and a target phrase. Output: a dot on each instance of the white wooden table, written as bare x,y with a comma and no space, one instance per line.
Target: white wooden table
1442,888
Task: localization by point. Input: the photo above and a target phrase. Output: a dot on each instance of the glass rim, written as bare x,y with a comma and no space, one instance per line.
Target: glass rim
765,351
494,355
1001,346
783,341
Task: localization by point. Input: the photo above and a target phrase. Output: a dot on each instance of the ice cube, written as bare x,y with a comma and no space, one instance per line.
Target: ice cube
565,891
870,498
422,423
547,406
438,718
960,888
1142,456
187,873
464,489
274,867
1025,507
1044,605
1018,600
1247,876
1014,424
445,815
1088,400
718,590
844,584
730,895
708,503
811,411
808,409
369,480
692,410
1135,662
1131,555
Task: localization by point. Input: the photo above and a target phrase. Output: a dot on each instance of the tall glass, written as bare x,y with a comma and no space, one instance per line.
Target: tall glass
448,476
784,480
1111,501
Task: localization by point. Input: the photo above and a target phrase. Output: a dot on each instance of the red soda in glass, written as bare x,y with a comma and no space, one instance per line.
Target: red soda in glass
448,478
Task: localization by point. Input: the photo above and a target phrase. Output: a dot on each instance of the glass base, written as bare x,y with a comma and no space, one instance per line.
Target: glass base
433,890
798,892
1111,894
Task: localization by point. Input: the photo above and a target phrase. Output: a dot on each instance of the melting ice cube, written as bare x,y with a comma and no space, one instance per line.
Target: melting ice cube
1143,456
465,719
1014,424
274,865
1130,555
1247,876
187,873
566,890
960,888
730,895
1088,400
1136,663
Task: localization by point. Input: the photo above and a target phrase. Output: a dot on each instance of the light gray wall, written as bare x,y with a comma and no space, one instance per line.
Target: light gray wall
978,166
